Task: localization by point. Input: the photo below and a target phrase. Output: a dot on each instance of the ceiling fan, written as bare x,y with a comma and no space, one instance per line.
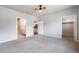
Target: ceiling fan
40,8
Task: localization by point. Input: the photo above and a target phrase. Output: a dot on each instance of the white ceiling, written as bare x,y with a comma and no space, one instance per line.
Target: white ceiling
29,9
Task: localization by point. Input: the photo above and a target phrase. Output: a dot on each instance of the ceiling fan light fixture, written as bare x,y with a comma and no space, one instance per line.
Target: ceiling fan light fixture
40,8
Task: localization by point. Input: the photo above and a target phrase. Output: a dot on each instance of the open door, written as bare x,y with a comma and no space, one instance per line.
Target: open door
21,28
75,27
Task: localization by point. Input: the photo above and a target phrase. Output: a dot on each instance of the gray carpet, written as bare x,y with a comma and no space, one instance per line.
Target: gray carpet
37,44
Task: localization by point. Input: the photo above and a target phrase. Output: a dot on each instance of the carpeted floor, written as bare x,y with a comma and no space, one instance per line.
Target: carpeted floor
40,44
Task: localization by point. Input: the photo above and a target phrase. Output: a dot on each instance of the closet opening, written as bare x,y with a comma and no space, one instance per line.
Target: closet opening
69,27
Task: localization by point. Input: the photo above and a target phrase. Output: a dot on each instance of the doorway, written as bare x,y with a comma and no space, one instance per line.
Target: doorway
69,27
21,28
35,29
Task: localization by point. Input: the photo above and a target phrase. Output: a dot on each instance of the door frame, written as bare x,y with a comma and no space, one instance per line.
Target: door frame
74,27
17,32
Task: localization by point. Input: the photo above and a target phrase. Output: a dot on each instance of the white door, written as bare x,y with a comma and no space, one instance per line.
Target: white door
75,26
